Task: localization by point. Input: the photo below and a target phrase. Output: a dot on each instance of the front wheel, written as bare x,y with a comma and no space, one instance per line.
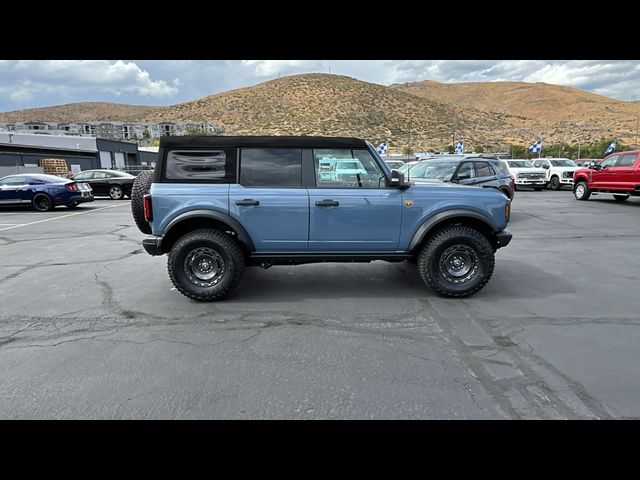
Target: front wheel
206,264
554,183
581,191
457,261
621,198
116,192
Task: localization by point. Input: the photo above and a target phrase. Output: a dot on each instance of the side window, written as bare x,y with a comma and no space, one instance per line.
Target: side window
610,161
15,181
83,176
347,168
484,169
271,167
627,160
99,175
214,166
465,171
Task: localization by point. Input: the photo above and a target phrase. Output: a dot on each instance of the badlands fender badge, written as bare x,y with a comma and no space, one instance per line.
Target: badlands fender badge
408,203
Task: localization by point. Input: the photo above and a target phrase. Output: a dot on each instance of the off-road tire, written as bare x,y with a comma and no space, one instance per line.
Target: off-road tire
430,261
621,198
208,239
141,186
581,190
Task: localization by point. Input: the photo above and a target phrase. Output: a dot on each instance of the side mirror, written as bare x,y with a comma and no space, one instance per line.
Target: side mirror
463,177
397,179
545,166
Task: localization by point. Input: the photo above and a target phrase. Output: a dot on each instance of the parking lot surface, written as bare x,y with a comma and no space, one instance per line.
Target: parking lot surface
91,327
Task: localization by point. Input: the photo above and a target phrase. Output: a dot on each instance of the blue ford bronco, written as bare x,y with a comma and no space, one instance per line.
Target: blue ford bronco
217,204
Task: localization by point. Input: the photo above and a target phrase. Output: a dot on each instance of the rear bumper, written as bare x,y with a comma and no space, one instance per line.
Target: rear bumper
503,238
77,199
153,245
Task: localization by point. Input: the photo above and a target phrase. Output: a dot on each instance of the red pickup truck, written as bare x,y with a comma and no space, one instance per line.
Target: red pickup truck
619,174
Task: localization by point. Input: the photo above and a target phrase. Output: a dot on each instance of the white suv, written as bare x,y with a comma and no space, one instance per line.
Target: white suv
526,175
559,171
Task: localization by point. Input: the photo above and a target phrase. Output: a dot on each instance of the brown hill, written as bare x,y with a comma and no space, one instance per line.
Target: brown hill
321,104
78,112
557,113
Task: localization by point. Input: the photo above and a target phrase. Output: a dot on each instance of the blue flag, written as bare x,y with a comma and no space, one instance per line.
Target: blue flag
611,148
459,148
536,147
382,148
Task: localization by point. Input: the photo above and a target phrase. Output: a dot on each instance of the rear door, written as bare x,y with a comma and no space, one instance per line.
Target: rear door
624,175
485,174
99,183
270,201
354,212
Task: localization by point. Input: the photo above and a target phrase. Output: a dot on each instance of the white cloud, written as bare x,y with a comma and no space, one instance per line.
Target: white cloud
265,68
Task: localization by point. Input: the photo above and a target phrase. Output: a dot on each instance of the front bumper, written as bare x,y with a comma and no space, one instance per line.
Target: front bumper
530,181
567,181
153,244
503,238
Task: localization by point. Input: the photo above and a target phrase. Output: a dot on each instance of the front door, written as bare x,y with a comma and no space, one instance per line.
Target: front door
99,183
604,176
354,211
270,201
12,190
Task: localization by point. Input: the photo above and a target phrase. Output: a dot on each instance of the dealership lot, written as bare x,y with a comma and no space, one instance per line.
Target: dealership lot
91,327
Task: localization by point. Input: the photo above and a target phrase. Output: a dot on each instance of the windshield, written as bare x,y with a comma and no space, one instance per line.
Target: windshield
563,163
434,169
520,164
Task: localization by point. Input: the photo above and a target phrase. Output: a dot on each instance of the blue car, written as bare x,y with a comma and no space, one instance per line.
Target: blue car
43,192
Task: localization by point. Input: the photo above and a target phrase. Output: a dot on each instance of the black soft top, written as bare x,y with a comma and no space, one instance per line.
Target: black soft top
272,141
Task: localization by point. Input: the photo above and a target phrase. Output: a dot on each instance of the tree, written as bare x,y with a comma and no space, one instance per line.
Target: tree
146,133
195,131
478,149
408,151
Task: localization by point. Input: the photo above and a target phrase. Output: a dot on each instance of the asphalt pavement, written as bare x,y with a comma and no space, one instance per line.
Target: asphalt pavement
91,327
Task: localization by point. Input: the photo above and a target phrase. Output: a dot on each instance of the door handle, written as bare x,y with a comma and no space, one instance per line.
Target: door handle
248,201
327,203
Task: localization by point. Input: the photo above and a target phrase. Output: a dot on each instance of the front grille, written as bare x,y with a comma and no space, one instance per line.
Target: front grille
532,176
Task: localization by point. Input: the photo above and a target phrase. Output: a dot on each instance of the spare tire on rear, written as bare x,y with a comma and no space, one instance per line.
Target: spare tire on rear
140,188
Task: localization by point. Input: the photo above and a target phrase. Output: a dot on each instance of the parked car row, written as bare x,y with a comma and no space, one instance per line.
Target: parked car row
45,192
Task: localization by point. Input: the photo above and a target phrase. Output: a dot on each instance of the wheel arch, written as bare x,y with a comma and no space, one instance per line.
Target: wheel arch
205,219
456,217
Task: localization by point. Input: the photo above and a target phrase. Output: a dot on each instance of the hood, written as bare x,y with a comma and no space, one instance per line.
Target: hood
527,169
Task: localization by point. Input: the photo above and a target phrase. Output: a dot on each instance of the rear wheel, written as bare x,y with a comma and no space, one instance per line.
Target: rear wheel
621,198
42,202
206,265
457,261
141,186
581,191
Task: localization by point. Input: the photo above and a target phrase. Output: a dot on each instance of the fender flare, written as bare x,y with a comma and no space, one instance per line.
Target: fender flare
433,221
243,236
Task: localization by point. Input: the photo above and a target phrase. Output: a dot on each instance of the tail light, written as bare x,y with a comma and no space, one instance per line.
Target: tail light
148,212
71,187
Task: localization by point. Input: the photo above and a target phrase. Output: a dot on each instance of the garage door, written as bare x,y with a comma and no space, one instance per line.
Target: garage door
119,159
105,160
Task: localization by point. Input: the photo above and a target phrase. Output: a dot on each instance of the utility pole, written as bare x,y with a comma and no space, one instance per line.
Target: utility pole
637,125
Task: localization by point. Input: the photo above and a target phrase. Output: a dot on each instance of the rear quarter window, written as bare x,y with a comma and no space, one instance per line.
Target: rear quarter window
212,166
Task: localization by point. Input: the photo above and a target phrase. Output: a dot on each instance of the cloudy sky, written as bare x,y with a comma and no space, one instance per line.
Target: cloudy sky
32,83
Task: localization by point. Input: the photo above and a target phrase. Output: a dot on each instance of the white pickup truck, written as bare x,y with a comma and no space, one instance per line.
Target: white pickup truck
526,175
559,171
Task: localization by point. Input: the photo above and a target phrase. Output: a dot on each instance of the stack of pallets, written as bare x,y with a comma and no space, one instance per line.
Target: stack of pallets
55,166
